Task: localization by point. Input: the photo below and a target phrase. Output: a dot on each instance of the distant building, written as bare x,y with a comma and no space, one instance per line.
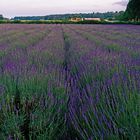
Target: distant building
92,19
76,19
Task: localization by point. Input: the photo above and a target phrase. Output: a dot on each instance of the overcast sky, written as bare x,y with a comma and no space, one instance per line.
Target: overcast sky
11,8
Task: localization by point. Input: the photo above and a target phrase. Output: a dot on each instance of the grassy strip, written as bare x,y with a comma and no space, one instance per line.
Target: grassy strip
64,22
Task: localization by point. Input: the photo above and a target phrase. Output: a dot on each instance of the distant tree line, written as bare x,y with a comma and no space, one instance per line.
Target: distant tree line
106,15
133,10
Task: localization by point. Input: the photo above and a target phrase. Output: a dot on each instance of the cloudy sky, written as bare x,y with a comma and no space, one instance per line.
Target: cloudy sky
11,8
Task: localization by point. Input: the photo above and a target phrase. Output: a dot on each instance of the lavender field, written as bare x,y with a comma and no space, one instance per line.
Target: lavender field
69,82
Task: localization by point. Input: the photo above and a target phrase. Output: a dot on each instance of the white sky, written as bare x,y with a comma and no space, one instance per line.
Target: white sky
11,8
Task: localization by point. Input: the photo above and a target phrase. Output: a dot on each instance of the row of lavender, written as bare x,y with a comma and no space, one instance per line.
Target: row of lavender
32,83
105,81
74,82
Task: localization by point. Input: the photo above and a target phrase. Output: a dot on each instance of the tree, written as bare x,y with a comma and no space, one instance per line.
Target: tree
1,17
133,10
119,15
